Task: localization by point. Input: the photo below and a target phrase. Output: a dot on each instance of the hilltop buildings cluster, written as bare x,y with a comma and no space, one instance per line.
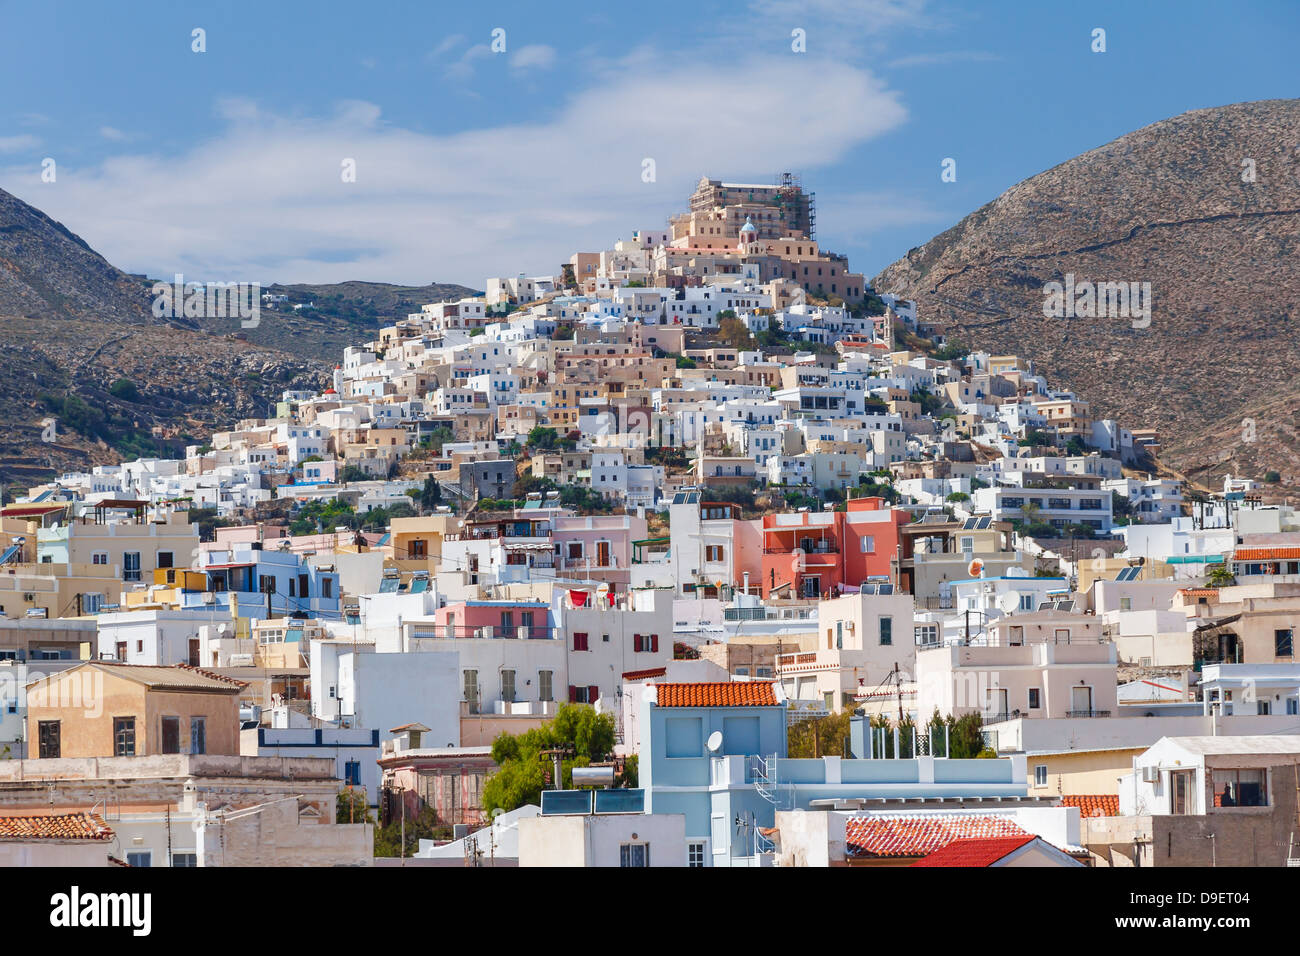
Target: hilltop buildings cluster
710,484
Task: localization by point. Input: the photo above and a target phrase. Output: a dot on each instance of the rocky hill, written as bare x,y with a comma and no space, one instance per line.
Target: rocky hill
1206,208
76,326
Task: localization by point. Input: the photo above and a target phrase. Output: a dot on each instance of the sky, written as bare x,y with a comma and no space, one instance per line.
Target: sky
583,125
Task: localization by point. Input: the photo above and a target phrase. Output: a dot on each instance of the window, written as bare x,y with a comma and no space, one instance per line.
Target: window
171,735
1035,698
967,545
575,550
1240,788
695,854
352,773
713,552
164,559
139,858
131,566
327,587
886,631
471,689
507,622
185,858
545,688
48,737
508,685
124,736
1283,642
868,544
634,854
198,735
580,641
99,557
1040,775
1126,604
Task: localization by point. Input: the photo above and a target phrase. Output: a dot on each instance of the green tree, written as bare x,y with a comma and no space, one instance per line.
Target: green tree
523,773
542,438
1220,576
352,473
125,389
958,496
733,332
351,806
431,494
819,737
437,438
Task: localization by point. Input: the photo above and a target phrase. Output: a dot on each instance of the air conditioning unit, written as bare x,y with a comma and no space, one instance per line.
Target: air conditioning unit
1150,774
209,597
522,632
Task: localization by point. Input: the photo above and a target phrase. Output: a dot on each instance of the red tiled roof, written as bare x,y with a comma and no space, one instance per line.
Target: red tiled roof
1093,804
55,826
1266,554
718,694
921,834
1200,592
642,675
975,852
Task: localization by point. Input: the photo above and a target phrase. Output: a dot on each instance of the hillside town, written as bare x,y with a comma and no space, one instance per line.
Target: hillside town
699,552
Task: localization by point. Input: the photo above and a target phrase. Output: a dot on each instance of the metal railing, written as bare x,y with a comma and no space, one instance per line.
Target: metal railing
1087,713
495,632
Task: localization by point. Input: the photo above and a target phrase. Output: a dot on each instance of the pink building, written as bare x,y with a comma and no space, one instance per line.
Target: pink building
498,619
596,547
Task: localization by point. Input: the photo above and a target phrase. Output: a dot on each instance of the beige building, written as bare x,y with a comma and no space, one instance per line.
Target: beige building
1042,664
100,709
863,641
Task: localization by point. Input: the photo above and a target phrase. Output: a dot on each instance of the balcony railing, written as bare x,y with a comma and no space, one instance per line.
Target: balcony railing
1087,713
521,632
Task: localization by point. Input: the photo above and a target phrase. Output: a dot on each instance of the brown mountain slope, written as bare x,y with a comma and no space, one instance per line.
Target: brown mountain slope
1165,204
74,325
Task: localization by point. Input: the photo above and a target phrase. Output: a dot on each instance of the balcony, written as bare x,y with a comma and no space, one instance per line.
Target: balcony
1087,713
521,632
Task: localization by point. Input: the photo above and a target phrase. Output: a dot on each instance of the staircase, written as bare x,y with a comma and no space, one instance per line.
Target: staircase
765,782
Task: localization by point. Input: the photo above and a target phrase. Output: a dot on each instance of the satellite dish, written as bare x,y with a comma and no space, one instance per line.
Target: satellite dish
1009,601
976,568
715,741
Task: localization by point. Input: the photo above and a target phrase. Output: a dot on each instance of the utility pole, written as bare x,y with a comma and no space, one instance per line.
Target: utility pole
899,681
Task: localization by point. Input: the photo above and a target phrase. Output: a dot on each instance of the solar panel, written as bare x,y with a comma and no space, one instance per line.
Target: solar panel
1127,574
969,525
1065,605
983,523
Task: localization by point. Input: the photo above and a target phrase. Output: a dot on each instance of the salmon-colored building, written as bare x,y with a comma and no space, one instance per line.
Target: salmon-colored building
816,554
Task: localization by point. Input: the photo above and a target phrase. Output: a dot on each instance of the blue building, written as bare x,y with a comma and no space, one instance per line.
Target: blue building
263,584
716,753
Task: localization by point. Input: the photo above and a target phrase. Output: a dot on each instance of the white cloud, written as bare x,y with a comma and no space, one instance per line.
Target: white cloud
263,200
14,144
536,56
448,44
463,68
112,133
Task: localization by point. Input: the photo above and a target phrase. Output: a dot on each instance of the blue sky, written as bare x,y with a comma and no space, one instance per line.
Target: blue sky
227,164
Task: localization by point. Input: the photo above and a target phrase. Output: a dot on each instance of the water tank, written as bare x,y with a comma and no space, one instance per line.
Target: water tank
593,776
